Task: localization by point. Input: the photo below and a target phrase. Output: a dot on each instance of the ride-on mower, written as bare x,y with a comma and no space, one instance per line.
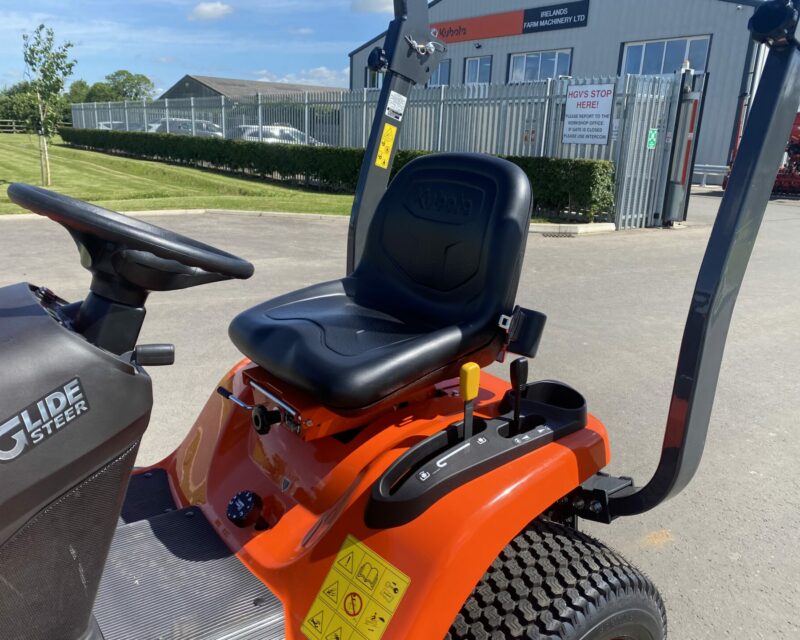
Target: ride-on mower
355,477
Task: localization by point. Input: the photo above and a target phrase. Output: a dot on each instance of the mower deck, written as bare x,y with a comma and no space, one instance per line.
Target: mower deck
177,578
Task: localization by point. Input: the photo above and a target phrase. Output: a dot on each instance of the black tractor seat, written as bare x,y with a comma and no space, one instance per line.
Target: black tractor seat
441,265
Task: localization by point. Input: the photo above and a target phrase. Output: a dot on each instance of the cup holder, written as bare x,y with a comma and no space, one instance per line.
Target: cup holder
555,394
549,402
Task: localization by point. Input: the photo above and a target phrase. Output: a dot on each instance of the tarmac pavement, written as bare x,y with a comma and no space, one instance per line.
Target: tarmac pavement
724,553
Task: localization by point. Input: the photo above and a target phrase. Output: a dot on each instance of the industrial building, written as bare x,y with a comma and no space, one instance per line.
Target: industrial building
517,41
191,86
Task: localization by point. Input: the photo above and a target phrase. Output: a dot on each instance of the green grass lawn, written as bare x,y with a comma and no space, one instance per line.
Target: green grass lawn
138,185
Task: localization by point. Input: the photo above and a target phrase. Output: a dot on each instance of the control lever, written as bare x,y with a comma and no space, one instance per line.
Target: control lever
519,380
469,384
229,396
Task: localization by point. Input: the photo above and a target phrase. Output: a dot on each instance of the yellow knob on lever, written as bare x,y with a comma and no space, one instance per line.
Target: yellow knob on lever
469,384
470,381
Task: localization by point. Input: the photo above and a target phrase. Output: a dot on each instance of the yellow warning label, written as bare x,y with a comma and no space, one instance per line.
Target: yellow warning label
386,146
340,633
358,596
333,590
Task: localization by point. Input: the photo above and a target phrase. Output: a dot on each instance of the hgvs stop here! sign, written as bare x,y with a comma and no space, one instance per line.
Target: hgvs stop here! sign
588,114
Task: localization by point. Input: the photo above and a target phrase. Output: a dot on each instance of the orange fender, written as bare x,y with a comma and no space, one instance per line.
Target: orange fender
315,493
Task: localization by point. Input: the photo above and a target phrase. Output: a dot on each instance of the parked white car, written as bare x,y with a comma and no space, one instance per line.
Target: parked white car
116,125
183,127
272,134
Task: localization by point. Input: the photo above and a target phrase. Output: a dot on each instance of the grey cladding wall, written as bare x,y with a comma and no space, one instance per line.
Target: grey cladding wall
597,48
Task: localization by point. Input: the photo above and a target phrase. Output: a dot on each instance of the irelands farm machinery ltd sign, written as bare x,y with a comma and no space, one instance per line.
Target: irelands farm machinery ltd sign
566,15
557,16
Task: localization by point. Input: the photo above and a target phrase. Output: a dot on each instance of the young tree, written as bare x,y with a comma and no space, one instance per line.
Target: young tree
47,66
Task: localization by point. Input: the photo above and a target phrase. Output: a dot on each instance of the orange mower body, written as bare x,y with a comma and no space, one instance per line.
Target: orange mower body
314,493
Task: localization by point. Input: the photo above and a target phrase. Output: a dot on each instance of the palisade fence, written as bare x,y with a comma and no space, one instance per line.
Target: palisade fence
513,120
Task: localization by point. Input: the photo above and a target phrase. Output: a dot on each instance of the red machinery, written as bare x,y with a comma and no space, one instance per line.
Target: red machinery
788,180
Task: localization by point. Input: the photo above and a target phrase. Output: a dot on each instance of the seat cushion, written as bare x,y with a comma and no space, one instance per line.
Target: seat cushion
327,342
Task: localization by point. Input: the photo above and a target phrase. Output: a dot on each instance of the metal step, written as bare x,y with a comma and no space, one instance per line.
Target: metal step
170,577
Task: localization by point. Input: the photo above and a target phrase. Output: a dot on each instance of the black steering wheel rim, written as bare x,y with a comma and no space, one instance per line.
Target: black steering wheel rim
130,232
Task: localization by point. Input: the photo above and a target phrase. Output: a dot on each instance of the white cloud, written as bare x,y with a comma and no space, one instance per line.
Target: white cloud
96,37
324,76
210,11
301,31
372,6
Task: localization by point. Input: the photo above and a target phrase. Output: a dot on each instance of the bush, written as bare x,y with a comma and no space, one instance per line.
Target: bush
560,186
572,186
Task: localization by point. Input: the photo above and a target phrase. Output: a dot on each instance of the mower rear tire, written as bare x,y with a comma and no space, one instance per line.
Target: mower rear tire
554,583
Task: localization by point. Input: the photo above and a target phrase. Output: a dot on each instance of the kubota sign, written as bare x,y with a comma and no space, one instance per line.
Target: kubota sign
567,15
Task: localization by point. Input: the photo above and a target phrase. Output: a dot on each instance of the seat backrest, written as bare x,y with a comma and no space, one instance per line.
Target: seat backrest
448,238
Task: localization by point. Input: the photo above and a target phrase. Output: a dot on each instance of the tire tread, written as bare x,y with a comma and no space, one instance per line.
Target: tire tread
545,584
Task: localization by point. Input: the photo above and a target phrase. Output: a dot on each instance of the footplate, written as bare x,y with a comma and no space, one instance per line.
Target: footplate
172,577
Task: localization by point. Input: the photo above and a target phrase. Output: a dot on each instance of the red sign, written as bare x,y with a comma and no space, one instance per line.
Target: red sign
496,25
566,15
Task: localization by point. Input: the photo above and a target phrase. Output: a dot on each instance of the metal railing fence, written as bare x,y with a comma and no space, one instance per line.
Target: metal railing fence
511,120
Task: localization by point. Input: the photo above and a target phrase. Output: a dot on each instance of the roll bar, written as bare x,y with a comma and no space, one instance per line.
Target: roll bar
727,255
409,55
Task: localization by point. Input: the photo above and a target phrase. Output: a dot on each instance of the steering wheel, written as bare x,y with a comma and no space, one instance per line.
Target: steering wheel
129,257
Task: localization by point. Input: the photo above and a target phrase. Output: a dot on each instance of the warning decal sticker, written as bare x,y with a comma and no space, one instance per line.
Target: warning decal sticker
358,597
386,146
396,106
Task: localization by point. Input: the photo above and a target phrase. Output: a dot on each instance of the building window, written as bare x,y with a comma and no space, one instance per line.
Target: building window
374,79
441,75
478,70
540,65
665,56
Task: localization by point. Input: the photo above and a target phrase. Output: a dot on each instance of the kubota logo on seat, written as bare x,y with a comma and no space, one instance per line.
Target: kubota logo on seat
449,203
42,419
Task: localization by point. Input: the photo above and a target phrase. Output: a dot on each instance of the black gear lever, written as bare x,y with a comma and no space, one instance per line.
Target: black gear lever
519,380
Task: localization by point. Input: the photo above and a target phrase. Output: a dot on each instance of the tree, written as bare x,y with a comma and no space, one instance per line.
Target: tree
102,92
118,86
15,89
17,102
130,86
21,107
78,91
47,67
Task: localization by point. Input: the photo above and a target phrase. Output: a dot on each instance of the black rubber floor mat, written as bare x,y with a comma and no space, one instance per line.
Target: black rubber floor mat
148,495
172,578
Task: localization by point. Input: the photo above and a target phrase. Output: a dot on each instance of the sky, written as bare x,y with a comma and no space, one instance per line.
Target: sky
304,41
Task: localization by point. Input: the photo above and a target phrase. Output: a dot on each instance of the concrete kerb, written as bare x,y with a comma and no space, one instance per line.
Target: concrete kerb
188,212
545,229
572,230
